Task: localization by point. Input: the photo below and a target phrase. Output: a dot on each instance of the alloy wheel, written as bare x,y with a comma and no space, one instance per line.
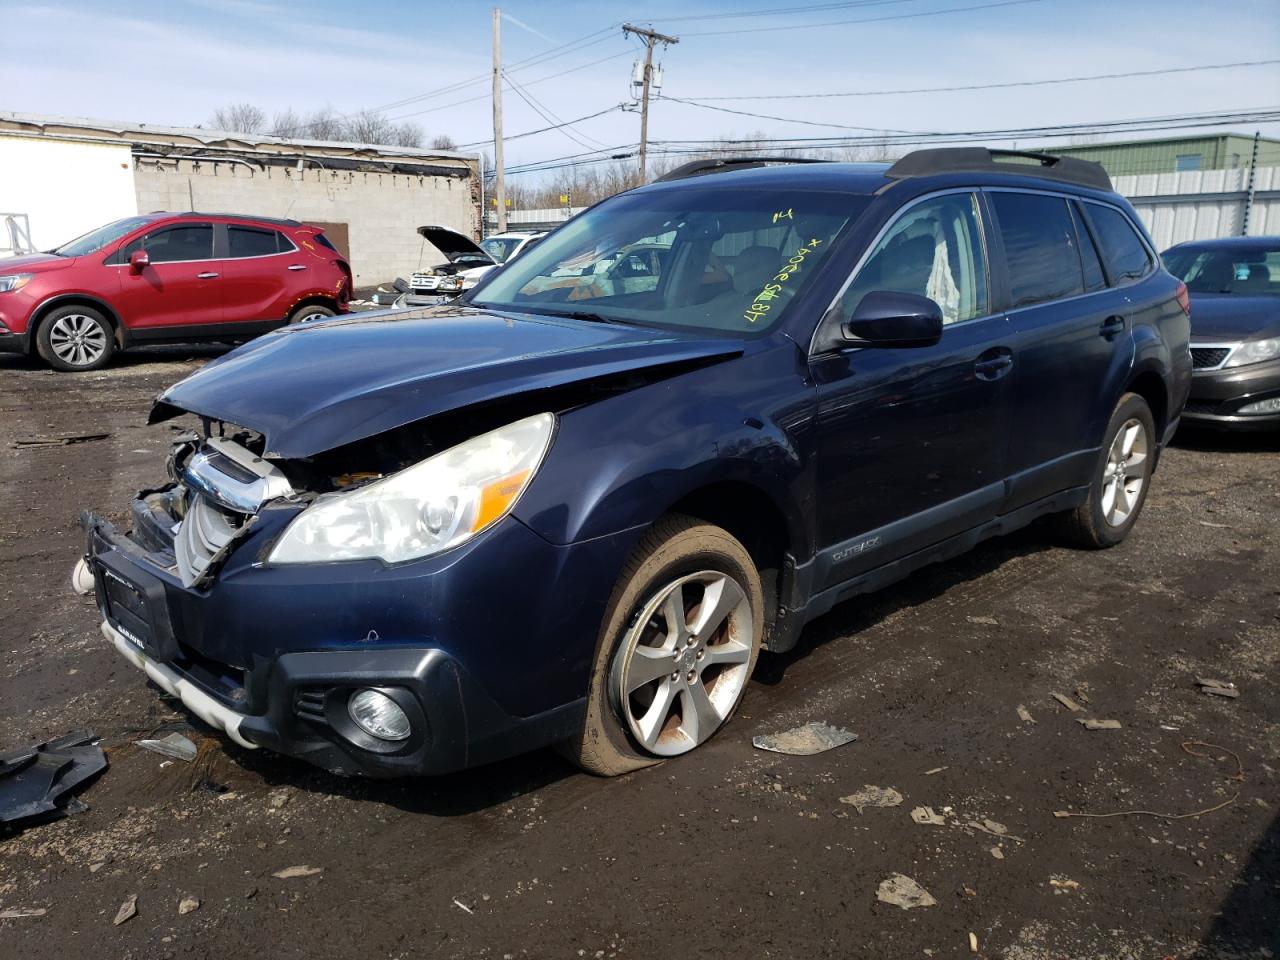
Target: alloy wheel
684,663
1125,472
77,340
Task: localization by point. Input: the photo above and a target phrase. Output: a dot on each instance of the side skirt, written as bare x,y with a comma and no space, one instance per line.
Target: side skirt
892,572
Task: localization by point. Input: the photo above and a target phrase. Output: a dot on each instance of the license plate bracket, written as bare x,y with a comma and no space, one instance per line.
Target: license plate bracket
134,602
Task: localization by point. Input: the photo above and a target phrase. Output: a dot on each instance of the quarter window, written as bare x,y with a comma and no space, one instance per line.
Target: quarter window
1093,278
934,250
252,242
1040,247
1123,251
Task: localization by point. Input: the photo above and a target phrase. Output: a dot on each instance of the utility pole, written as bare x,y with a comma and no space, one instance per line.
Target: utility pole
650,38
1248,202
499,188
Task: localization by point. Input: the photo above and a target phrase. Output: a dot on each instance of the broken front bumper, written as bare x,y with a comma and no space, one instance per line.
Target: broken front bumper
284,684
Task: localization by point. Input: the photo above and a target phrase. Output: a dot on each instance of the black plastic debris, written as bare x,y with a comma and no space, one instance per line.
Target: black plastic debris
36,782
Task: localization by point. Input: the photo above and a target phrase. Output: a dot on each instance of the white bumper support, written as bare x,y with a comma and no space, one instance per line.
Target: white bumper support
196,700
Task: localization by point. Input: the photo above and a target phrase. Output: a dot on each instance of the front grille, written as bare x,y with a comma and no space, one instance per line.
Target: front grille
422,281
1206,358
203,535
1207,407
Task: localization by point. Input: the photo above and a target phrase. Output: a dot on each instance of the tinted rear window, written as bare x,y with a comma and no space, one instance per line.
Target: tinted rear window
325,242
252,242
1039,246
1123,252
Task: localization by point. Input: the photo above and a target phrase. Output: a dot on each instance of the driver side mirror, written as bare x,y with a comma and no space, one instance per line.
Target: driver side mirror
139,261
886,318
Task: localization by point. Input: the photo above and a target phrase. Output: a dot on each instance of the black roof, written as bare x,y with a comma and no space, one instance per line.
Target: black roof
278,221
1250,244
953,164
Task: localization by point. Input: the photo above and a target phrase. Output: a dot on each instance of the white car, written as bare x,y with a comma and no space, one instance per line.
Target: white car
466,261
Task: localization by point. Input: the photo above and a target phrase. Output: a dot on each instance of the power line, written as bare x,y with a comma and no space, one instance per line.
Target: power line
836,23
557,126
782,11
547,114
985,86
767,116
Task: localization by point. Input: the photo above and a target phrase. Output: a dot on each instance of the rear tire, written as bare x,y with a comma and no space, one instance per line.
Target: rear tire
1120,481
310,311
698,660
76,339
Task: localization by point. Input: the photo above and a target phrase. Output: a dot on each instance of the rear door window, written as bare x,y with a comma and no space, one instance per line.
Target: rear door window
254,242
1123,252
1039,246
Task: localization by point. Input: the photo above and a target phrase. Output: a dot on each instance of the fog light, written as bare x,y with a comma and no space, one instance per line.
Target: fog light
378,715
1262,406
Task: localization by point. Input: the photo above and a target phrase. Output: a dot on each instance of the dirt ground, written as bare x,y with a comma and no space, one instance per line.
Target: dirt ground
732,851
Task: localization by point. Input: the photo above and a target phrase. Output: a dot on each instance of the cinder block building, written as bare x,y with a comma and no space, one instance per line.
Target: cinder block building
61,177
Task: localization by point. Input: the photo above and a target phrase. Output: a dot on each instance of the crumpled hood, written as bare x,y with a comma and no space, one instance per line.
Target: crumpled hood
316,386
1223,317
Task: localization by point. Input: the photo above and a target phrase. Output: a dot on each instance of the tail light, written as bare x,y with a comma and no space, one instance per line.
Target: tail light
1184,298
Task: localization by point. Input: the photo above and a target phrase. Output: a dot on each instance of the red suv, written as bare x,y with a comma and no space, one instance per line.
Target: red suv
168,277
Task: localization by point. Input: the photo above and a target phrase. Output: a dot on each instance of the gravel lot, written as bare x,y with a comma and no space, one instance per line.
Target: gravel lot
732,851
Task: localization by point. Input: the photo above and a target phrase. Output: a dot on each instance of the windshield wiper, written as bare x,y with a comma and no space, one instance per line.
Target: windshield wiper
588,315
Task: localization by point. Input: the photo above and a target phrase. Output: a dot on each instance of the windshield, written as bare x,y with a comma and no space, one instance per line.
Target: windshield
1249,271
499,247
97,239
704,258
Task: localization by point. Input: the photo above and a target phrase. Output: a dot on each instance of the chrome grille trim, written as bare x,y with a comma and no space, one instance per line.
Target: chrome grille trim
204,533
243,485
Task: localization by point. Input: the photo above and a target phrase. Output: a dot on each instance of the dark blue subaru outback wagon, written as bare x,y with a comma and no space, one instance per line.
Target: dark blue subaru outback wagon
574,507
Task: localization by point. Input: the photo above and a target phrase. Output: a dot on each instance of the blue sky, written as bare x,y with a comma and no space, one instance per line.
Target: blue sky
175,62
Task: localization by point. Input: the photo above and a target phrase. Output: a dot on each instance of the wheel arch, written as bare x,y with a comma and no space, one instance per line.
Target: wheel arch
1152,387
41,313
314,300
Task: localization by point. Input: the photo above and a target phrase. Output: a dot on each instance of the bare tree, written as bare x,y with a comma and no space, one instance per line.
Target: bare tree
239,118
442,141
406,135
287,123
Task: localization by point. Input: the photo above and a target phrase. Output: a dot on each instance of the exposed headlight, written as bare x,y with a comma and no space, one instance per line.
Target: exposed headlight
14,281
378,715
429,507
1254,351
450,283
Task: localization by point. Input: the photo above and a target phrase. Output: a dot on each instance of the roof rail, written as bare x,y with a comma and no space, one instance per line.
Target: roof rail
923,163
698,168
280,221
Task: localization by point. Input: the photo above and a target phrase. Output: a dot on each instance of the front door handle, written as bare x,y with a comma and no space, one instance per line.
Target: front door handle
297,266
1111,327
206,276
993,364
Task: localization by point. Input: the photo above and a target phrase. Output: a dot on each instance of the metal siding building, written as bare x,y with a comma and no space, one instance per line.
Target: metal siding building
1228,151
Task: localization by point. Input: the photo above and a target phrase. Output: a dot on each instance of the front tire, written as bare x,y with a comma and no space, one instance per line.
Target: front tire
1120,481
679,640
76,339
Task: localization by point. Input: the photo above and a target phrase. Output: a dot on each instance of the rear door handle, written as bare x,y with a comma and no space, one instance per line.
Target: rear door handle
297,266
206,276
993,364
1112,327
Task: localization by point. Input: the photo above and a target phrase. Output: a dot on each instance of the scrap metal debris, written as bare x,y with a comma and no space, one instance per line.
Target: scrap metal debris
36,782
1067,702
174,746
20,913
926,815
1218,688
1091,724
64,441
872,796
128,910
902,891
805,740
288,873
